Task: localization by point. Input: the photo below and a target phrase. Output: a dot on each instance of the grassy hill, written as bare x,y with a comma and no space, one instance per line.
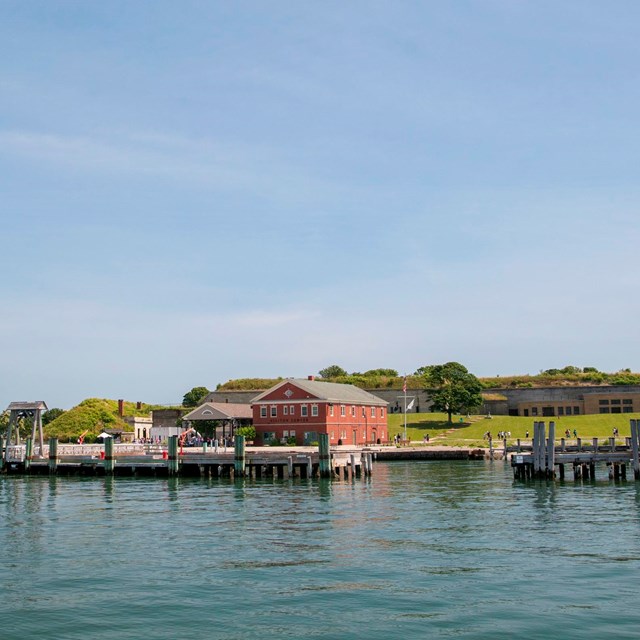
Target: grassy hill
549,378
94,415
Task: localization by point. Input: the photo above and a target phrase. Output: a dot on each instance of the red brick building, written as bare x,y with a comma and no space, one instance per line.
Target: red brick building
302,409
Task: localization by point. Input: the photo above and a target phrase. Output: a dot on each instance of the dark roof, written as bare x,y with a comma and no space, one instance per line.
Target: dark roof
330,392
27,406
220,411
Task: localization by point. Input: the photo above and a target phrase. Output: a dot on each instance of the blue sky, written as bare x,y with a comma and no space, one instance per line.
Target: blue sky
197,191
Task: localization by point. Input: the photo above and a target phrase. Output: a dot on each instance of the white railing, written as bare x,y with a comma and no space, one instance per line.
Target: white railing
17,453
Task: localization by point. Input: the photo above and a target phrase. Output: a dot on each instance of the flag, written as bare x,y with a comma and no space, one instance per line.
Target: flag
404,385
410,405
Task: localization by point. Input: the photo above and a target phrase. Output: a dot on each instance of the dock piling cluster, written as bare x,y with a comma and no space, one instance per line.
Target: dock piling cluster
544,459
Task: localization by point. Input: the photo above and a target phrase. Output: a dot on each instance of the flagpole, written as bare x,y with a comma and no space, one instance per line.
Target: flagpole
404,388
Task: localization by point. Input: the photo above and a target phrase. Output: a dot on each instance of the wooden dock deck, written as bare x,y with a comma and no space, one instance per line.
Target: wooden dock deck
141,460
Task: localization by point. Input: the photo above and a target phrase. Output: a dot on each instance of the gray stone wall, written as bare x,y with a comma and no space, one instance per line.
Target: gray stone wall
560,394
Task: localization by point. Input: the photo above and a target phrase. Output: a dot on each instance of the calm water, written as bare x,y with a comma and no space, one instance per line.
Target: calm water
421,550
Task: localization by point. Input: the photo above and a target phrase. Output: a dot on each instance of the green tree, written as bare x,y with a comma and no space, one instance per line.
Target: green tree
391,373
452,388
249,432
51,415
194,397
332,371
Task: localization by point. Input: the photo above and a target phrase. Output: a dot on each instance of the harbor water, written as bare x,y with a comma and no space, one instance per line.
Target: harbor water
421,550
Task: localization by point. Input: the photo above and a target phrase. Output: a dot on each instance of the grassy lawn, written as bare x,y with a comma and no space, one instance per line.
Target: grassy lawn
469,432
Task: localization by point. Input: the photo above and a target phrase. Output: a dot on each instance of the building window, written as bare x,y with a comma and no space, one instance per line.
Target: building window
332,436
373,412
616,401
263,412
627,401
534,411
274,411
343,410
285,410
604,409
304,410
331,410
576,411
314,410
292,410
560,411
567,411
353,411
269,436
627,409
382,412
602,402
285,434
616,409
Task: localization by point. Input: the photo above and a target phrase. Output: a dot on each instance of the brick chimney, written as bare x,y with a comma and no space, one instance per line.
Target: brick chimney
311,378
121,408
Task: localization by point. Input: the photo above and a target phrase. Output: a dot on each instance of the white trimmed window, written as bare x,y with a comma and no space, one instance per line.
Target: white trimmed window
314,410
353,411
292,410
373,412
304,410
331,410
285,410
382,412
274,411
263,411
343,410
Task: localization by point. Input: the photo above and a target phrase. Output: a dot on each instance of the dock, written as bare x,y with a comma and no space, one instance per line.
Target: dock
157,461
548,460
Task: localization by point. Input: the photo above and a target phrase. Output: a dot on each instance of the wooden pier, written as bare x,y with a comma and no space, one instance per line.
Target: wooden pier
144,460
547,460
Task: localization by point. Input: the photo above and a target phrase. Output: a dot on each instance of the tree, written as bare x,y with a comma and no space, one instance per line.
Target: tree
452,388
194,397
51,415
391,373
332,371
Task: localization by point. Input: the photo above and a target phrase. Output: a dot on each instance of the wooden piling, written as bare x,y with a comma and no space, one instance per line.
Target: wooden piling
28,454
53,455
290,466
309,467
595,445
324,455
239,459
109,460
579,443
634,449
612,444
551,451
563,445
173,461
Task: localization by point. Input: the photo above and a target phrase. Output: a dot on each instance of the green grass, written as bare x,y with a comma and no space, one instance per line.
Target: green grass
94,415
464,434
